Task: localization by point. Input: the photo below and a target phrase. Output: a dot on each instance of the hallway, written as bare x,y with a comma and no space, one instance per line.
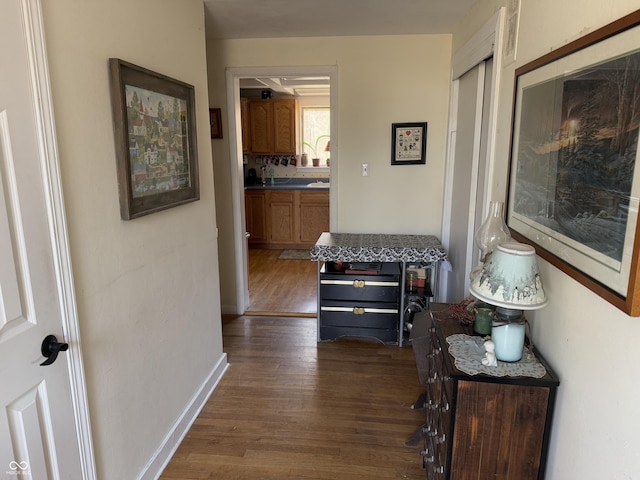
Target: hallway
292,408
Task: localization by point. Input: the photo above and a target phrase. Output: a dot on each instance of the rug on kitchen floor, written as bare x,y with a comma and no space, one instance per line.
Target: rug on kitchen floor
292,254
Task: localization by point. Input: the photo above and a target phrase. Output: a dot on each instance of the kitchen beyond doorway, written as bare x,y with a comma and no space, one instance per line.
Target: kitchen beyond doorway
241,300
281,287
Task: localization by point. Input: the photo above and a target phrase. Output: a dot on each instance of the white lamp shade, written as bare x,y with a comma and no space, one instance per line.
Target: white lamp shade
509,278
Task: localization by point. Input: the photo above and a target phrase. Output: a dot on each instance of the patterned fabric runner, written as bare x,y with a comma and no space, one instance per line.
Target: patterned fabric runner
369,247
469,351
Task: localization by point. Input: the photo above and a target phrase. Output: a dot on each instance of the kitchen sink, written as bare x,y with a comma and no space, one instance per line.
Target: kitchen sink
279,181
318,184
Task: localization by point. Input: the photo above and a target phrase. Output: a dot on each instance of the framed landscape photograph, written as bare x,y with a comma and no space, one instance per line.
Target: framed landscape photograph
574,179
155,139
408,143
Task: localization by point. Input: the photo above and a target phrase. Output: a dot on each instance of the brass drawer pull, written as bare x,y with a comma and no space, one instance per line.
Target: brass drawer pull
364,310
358,284
358,310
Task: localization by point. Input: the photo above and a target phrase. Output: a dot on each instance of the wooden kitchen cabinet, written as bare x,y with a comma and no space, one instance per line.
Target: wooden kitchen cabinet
272,126
255,202
285,113
314,215
261,126
282,216
482,426
245,118
286,218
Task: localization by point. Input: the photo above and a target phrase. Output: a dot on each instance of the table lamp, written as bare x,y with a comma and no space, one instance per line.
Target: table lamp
509,279
492,231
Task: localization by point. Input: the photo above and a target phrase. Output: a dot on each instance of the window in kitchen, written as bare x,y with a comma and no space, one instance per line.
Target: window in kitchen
315,133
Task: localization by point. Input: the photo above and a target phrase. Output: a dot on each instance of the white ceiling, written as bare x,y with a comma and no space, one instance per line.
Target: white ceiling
226,19
296,86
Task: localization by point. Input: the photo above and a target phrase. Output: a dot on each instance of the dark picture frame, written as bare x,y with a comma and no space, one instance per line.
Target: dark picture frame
409,143
155,139
215,121
574,178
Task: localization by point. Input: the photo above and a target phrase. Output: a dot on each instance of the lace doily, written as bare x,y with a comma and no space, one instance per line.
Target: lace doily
469,351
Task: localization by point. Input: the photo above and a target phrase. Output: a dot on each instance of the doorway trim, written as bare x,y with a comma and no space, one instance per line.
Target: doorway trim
485,43
233,76
59,238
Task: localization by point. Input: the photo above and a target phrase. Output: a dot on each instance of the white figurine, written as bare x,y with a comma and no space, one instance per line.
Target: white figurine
489,359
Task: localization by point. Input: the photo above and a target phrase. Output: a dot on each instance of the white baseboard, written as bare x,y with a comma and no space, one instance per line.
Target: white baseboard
163,454
229,309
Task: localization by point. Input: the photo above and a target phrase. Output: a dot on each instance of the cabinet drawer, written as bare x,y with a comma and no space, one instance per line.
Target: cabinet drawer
384,335
445,407
428,455
350,287
431,459
281,196
441,447
352,314
445,435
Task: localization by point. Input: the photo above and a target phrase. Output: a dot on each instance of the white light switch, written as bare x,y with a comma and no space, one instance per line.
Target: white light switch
365,169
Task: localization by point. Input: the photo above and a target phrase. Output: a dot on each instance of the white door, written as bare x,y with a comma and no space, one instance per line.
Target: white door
476,75
469,165
41,429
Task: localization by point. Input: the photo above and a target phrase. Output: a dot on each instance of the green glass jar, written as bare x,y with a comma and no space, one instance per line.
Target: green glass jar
482,320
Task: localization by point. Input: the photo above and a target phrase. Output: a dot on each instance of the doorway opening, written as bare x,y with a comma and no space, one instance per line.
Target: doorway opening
281,285
277,286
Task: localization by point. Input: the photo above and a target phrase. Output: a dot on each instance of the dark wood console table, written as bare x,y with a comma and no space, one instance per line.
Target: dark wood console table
479,426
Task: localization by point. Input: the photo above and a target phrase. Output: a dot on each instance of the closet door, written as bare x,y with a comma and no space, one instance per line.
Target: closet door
467,175
472,144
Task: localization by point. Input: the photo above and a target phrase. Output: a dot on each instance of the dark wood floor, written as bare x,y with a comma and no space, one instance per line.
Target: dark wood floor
292,408
281,287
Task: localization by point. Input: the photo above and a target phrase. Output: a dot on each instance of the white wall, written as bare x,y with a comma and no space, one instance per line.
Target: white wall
147,289
591,345
381,80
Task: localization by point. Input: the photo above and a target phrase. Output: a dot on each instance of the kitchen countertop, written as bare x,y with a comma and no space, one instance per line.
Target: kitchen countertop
295,183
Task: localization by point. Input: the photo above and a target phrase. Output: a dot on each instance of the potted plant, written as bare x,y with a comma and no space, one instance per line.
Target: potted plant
314,149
